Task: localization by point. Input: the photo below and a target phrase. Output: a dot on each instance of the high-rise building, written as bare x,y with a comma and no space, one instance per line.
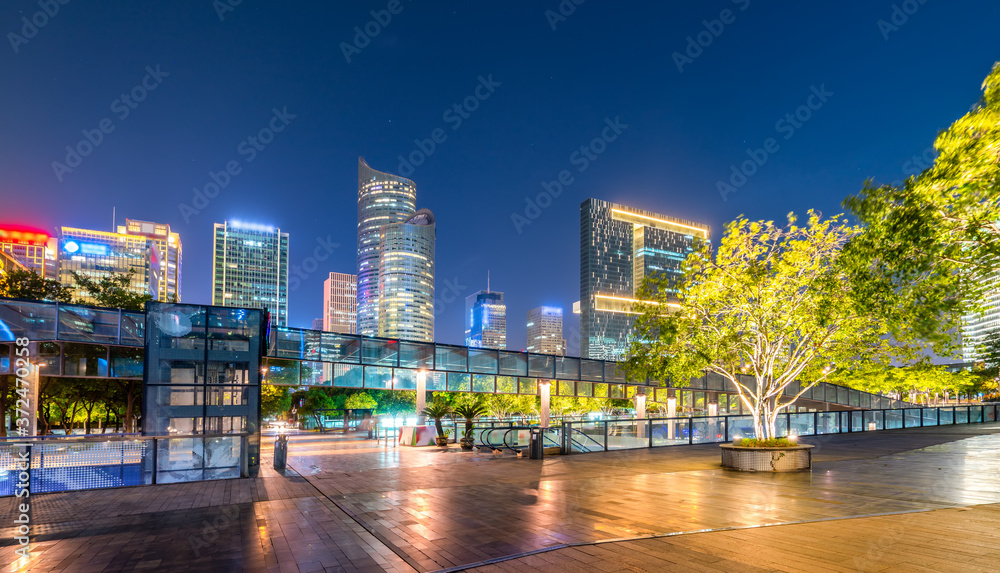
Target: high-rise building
163,274
383,199
980,326
486,320
545,331
31,250
317,324
101,254
406,278
340,303
619,246
250,268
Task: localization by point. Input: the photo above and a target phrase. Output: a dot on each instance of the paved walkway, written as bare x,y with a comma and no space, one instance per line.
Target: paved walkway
358,506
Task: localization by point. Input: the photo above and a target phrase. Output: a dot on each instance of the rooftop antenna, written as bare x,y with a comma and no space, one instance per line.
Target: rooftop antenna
488,281
114,220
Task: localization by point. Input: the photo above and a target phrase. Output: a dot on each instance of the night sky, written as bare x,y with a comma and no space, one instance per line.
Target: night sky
888,89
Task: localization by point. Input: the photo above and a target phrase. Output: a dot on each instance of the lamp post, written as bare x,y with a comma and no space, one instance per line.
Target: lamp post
640,412
421,396
671,413
544,390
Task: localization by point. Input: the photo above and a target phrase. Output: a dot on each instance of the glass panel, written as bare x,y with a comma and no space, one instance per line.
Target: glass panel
801,424
827,423
483,360
87,324
417,355
348,375
340,348
611,373
127,362
541,366
617,391
32,320
529,386
567,368
930,416
961,415
378,352
670,432
312,374
566,388
947,416
893,419
709,430
85,360
912,418
513,363
278,371
975,414
458,382
378,377
483,383
591,370
585,389
404,379
624,435
600,390
436,381
288,343
854,398
312,340
506,385
453,358
133,328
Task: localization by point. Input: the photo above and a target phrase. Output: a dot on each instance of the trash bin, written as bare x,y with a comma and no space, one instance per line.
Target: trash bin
280,452
536,447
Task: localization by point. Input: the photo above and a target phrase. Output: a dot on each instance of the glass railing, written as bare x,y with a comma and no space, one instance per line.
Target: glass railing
635,433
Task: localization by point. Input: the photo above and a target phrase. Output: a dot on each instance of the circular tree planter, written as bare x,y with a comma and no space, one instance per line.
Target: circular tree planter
794,459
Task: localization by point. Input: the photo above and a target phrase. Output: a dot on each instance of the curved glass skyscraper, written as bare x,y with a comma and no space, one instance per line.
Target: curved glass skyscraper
383,199
406,279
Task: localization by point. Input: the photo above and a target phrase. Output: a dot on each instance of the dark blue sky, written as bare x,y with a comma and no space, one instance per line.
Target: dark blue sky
892,91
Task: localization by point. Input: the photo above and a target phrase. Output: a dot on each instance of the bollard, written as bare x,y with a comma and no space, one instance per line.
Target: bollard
280,452
536,445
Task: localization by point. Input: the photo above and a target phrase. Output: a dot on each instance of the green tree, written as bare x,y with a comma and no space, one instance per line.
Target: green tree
360,401
274,400
313,401
28,284
112,291
774,304
932,243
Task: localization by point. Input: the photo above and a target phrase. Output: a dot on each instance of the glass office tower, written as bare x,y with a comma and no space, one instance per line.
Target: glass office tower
250,268
619,246
545,331
164,271
486,317
383,199
406,279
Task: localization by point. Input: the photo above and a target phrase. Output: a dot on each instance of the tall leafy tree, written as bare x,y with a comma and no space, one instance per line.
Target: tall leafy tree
112,291
274,400
932,243
28,284
774,304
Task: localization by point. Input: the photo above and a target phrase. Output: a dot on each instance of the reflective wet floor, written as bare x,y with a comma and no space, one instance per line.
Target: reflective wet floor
357,505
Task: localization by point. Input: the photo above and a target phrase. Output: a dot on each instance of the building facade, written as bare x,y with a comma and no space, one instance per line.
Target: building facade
619,247
406,279
545,331
340,303
977,328
101,254
163,275
31,250
486,320
250,268
383,199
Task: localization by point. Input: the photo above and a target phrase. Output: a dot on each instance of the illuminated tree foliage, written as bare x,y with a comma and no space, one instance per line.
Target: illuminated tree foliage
112,291
931,243
29,285
774,304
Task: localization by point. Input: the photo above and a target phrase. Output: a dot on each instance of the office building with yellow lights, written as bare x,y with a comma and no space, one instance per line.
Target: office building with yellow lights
406,278
340,303
24,249
619,247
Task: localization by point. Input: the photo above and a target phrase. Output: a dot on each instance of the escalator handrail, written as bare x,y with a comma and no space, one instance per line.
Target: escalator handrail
578,431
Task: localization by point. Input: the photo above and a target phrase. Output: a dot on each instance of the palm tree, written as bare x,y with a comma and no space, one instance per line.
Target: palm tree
470,411
437,410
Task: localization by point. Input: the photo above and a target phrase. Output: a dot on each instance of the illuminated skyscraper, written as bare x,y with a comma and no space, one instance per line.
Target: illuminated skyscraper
486,320
30,250
406,278
250,268
101,254
978,327
340,303
619,246
164,271
545,331
383,199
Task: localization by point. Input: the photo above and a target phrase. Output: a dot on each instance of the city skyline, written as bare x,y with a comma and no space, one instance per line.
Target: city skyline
190,161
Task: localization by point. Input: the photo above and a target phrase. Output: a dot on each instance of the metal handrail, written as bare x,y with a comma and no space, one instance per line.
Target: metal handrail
122,438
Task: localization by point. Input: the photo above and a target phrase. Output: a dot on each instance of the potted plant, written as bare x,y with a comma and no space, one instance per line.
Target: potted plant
469,411
437,410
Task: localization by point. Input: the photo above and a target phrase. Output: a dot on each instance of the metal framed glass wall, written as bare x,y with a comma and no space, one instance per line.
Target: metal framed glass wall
202,376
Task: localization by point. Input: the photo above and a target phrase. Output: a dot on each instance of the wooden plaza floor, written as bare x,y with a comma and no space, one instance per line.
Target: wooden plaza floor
925,499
